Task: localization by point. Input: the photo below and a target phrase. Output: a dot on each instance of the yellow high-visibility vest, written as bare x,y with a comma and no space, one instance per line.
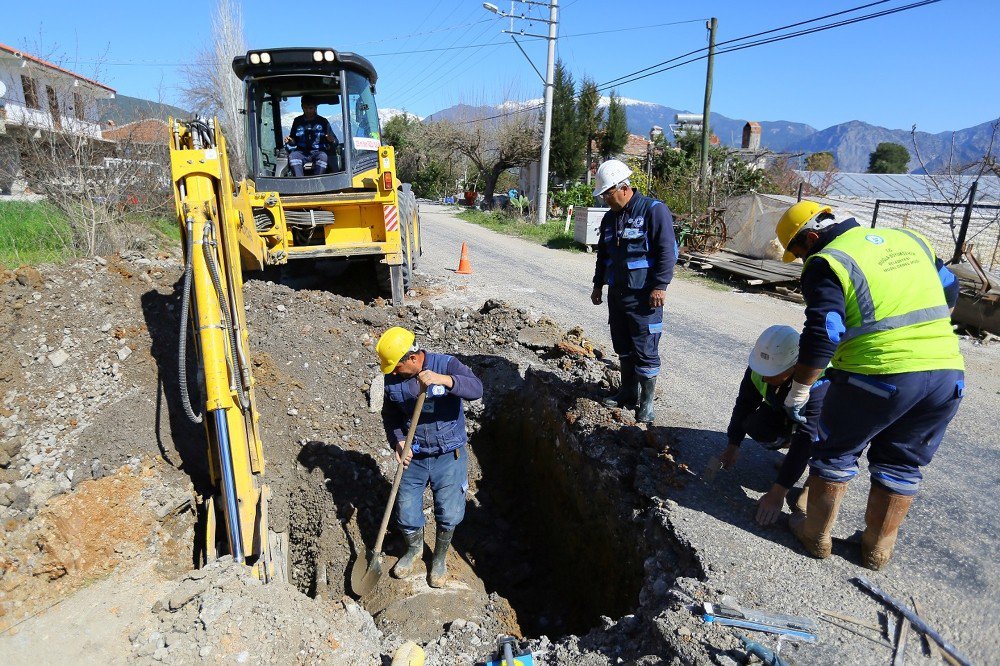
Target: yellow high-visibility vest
897,316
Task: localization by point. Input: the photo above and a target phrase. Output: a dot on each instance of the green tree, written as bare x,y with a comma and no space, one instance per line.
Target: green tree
822,161
615,134
888,158
566,147
588,117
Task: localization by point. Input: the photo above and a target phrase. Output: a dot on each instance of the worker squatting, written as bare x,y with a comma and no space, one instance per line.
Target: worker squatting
876,367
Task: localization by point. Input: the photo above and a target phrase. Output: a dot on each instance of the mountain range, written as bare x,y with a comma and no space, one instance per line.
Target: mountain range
850,142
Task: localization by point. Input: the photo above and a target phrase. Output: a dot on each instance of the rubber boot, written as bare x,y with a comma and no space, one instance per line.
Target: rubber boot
414,546
628,391
438,567
797,499
647,387
815,527
886,511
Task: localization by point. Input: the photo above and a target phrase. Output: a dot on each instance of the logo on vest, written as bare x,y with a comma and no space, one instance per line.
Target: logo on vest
874,240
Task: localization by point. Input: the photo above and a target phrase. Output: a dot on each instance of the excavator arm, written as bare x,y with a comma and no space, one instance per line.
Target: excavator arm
219,242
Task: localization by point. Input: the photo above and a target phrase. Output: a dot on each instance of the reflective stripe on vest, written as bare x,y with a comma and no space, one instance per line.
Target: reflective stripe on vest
866,307
894,300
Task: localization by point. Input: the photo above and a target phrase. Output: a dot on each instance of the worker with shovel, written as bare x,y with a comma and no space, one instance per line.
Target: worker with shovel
437,456
760,413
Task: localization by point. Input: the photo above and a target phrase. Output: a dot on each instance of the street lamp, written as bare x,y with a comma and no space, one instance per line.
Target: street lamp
543,167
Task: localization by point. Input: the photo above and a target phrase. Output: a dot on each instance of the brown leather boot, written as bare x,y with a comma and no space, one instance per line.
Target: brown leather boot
815,527
886,511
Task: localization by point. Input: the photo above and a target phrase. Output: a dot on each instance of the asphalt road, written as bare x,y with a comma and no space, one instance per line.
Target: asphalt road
947,554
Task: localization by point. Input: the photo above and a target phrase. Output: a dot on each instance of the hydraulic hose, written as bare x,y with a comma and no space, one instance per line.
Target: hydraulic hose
182,343
207,243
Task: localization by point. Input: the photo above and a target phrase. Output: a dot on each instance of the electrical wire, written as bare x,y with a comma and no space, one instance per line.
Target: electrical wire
645,73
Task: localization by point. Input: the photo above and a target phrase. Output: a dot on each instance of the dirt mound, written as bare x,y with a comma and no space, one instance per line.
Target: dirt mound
221,614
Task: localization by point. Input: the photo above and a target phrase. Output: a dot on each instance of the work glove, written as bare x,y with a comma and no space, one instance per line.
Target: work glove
798,396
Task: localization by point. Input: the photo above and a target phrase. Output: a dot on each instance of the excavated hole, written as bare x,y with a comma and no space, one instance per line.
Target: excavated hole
541,529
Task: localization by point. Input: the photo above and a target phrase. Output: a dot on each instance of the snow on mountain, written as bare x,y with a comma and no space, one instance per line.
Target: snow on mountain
387,114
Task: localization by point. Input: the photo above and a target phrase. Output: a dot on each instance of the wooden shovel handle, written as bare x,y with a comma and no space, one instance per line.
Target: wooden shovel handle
399,470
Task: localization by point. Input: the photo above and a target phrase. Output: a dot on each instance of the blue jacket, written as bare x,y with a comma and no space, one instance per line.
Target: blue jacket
441,427
750,400
310,135
637,249
825,306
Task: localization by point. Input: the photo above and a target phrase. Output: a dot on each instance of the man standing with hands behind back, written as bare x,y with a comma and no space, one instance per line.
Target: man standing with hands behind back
636,254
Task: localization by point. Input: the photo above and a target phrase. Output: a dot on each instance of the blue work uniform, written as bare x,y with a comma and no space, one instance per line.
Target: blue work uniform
759,412
311,144
902,415
636,253
439,455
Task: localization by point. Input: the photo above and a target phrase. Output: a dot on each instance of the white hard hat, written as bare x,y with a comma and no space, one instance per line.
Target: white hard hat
609,174
777,350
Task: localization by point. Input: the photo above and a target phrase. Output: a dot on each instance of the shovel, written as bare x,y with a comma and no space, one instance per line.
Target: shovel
367,569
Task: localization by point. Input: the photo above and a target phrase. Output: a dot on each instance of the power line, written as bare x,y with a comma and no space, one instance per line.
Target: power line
756,34
631,78
645,73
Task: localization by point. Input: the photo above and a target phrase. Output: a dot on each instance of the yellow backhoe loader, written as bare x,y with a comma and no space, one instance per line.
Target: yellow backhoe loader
354,209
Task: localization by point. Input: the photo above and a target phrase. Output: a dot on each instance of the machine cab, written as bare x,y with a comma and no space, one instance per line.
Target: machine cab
309,110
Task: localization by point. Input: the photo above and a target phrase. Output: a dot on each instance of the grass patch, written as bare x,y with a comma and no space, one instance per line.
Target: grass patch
549,234
166,226
33,233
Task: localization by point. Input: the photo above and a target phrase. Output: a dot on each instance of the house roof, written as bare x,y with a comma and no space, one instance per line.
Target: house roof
27,56
149,131
903,186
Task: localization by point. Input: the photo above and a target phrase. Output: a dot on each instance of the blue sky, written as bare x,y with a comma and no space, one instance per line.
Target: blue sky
933,65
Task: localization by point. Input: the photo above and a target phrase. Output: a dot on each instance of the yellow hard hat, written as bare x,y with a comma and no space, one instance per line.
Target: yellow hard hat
796,217
393,346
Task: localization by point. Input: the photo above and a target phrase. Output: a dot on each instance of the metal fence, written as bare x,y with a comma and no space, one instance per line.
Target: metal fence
948,226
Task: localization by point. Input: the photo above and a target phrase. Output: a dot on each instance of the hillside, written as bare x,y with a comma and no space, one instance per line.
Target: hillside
850,142
124,109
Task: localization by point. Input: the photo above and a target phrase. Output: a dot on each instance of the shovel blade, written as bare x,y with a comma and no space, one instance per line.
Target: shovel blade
366,572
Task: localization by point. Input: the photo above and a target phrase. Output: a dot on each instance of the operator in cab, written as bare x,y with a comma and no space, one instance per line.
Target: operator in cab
310,140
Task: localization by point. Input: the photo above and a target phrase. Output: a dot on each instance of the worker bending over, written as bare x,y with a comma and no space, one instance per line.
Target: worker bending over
437,456
636,253
760,413
878,306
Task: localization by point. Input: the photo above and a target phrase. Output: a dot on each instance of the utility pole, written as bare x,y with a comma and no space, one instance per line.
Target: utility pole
706,131
548,80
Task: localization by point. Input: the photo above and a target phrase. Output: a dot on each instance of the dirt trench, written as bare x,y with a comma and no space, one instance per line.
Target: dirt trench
552,544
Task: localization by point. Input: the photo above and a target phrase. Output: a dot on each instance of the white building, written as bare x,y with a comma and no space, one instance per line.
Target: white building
40,96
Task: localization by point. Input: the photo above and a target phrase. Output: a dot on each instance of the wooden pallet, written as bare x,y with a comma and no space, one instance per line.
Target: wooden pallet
755,271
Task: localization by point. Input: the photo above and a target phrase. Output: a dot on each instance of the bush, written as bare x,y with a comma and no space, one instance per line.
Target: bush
580,195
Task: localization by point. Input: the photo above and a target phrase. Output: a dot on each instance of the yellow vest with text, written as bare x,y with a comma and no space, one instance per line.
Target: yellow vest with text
897,316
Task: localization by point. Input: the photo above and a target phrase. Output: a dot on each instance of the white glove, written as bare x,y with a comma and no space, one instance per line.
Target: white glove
797,398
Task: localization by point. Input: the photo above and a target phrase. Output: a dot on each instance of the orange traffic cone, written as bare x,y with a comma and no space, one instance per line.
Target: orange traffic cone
464,267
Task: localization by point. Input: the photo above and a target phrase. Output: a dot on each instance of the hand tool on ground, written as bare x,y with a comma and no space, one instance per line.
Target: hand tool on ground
367,569
766,655
801,628
914,619
506,656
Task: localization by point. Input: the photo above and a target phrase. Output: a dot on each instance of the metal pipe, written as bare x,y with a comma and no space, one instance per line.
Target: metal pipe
232,509
964,229
914,619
